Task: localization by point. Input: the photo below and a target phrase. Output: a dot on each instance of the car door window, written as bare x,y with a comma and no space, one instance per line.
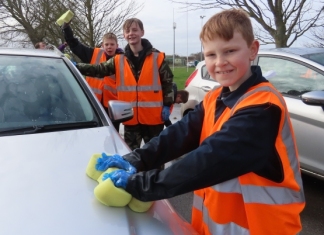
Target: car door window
204,73
289,77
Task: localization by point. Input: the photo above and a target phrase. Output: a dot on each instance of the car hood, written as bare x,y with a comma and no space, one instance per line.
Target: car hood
45,190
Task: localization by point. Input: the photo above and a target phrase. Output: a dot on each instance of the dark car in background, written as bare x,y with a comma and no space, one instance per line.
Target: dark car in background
298,74
50,125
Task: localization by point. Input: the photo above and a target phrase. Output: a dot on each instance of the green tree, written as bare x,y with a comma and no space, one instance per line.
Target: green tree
280,22
25,22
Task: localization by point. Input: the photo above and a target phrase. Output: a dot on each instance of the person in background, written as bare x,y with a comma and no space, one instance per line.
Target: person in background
241,154
40,45
180,96
143,78
104,89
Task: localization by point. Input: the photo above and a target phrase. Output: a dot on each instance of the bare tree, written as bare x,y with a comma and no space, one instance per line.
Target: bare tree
317,39
25,22
282,21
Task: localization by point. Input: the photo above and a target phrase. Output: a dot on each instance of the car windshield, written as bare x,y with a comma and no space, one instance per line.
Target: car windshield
316,57
39,91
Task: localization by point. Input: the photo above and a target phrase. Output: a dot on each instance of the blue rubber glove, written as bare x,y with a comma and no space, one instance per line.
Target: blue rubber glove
165,113
116,160
118,177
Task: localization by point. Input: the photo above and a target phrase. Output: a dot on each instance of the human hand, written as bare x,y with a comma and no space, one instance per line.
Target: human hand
165,113
118,177
116,160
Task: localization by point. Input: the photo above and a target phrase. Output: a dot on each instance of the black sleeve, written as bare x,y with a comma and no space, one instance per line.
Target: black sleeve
83,52
245,143
183,136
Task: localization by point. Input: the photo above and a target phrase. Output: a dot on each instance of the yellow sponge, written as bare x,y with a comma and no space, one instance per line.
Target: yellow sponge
139,206
109,195
91,167
65,18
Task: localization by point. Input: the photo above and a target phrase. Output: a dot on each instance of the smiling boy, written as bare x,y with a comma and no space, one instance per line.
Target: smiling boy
241,155
143,78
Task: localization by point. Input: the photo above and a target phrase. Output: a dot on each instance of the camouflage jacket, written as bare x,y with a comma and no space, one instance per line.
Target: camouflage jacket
108,68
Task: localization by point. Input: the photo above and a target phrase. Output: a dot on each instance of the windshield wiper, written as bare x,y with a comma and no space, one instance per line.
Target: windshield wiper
48,128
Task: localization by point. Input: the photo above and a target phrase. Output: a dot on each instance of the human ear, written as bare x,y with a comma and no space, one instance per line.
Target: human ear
254,49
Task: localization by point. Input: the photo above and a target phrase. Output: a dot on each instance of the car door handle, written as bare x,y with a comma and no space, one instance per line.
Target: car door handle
206,88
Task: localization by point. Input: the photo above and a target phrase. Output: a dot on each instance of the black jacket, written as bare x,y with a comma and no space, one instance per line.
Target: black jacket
83,52
244,144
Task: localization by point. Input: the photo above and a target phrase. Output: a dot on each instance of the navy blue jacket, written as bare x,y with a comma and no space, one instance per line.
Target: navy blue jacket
245,143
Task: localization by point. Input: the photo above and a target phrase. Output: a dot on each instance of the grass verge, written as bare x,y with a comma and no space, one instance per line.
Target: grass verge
181,74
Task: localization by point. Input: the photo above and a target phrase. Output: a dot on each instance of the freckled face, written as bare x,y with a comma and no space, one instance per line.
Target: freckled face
229,62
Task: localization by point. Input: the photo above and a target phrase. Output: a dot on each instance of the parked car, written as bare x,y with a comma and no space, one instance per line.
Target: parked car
198,84
298,74
50,126
191,64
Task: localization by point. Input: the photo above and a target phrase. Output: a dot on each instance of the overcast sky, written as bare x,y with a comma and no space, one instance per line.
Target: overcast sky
158,17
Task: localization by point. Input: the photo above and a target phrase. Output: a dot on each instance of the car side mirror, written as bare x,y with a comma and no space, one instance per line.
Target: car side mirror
313,98
120,111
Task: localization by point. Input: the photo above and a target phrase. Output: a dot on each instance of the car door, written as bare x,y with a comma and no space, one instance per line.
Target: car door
292,78
207,83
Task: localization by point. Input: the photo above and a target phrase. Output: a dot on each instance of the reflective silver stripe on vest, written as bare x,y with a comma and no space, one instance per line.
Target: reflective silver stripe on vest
149,104
287,138
112,77
109,88
215,228
229,186
154,87
96,90
99,56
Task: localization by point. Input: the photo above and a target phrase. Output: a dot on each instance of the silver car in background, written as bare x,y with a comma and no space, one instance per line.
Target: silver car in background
50,126
298,74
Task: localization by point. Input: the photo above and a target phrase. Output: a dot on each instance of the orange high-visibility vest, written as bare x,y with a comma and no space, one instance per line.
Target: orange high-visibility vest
251,204
109,89
104,89
146,94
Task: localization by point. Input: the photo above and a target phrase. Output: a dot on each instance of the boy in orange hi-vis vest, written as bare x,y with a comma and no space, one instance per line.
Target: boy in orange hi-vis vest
144,78
104,89
241,156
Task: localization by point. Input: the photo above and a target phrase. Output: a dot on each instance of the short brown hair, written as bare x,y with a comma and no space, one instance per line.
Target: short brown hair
130,21
225,23
110,36
184,95
37,45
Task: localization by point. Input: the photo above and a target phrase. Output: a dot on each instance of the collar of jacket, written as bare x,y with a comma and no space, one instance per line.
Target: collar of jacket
229,98
147,48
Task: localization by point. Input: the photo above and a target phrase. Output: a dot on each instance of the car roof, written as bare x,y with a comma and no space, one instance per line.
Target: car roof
31,52
294,50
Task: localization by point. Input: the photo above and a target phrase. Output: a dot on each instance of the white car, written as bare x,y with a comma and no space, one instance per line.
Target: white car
197,84
50,126
191,64
298,73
